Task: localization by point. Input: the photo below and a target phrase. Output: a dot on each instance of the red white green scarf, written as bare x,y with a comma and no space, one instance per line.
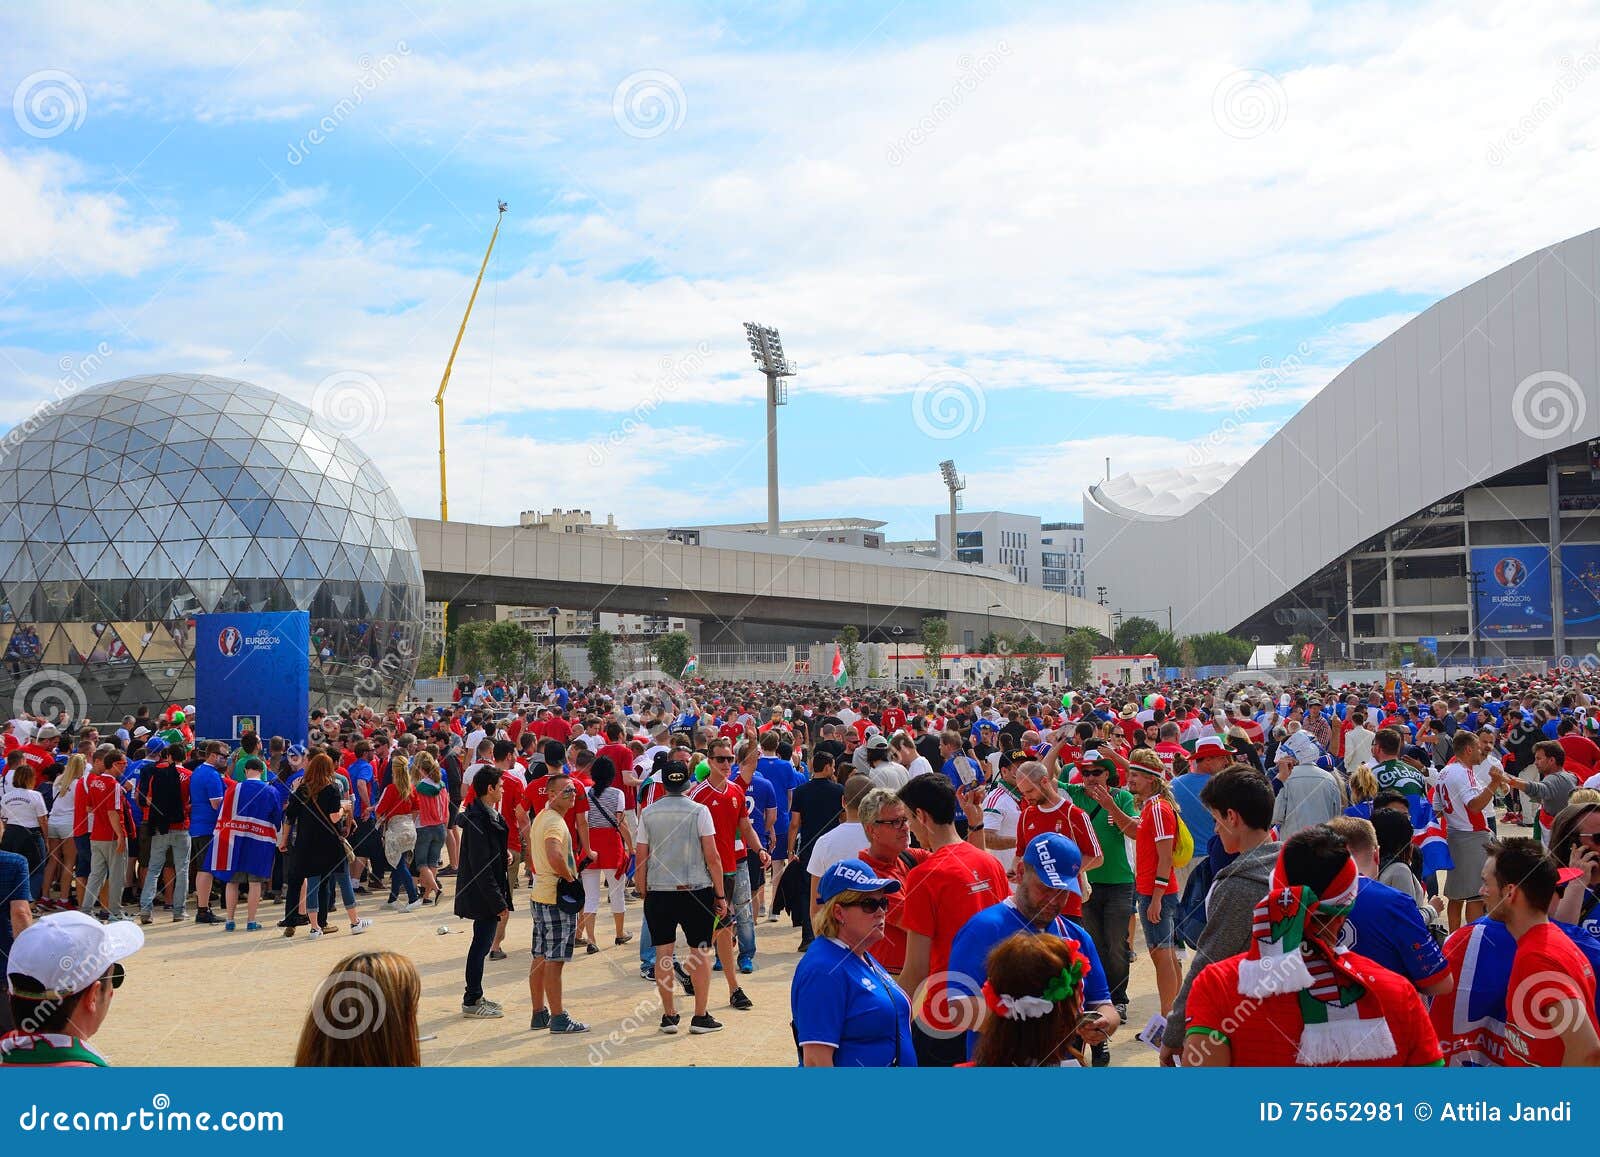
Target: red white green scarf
1343,1021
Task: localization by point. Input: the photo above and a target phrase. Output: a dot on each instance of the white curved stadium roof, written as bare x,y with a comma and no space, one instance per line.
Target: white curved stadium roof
1497,374
1159,494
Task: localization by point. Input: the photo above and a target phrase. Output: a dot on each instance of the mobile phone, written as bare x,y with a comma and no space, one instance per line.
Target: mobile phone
967,772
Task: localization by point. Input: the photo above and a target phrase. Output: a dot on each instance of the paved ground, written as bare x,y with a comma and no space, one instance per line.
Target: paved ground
196,995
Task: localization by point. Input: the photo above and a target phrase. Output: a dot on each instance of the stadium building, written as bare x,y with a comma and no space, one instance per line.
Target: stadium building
1442,493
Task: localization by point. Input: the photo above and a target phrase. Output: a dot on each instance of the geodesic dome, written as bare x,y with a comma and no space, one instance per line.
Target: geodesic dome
129,507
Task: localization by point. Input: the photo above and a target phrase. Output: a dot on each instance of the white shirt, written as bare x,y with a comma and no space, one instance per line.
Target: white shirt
1459,783
476,737
843,842
1357,748
1005,813
919,766
23,806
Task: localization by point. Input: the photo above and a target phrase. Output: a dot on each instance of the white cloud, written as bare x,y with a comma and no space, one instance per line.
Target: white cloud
56,220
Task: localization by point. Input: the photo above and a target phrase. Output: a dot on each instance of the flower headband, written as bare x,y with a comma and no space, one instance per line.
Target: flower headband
1059,988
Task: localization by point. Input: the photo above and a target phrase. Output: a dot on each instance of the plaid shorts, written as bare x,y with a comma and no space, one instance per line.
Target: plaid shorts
553,932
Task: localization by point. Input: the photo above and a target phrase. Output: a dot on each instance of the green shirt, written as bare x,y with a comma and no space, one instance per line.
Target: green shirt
1114,868
1393,775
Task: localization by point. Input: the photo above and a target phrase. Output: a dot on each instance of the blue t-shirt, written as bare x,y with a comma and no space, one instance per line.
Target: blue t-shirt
358,771
13,886
953,774
758,797
779,774
205,785
130,790
1385,926
838,998
1186,790
969,954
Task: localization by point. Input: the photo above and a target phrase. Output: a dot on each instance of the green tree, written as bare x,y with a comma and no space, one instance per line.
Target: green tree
989,644
1215,649
849,641
935,635
671,652
1029,665
1078,650
428,657
468,647
602,656
508,646
1136,636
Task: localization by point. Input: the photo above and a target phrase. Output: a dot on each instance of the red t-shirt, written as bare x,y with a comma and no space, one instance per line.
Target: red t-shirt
893,720
1157,821
1580,750
1265,1031
941,895
37,758
891,950
621,755
861,726
1067,819
101,799
1168,753
727,809
1548,968
730,730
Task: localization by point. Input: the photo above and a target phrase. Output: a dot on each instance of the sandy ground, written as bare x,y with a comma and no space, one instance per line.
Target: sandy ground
197,995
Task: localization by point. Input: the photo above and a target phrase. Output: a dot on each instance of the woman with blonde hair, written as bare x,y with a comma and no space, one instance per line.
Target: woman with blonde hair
364,1014
1155,879
847,1011
433,814
60,849
1035,998
1363,788
397,815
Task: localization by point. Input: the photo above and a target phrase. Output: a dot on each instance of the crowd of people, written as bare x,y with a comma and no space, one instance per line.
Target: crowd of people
1319,875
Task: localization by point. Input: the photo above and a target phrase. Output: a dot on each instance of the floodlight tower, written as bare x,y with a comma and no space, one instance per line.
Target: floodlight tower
955,484
766,347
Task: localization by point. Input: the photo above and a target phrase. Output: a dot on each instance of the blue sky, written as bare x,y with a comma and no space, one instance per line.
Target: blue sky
1022,237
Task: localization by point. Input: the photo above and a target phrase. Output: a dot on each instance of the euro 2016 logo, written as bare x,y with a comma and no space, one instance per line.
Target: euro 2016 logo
1509,572
230,642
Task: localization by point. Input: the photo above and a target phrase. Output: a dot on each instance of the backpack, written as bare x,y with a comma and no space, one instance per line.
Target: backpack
166,797
1183,846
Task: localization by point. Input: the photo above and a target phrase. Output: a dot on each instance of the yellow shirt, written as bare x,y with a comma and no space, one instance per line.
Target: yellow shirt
548,824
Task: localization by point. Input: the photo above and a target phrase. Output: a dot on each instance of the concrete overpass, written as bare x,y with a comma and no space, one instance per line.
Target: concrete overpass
789,582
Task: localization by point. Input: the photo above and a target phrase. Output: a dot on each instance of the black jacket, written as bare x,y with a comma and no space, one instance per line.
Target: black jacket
482,889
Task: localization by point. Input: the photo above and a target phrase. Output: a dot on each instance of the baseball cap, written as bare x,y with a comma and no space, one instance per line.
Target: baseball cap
48,731
1418,753
1208,746
155,746
675,775
1055,860
877,743
66,952
852,876
1565,876
140,732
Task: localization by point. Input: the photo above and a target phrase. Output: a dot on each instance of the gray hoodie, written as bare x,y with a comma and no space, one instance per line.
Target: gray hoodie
1230,913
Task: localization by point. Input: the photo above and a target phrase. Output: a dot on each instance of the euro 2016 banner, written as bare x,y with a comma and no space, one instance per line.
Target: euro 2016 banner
1580,588
1514,594
252,672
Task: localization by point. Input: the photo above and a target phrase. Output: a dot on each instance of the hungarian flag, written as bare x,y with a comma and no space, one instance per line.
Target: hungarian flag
690,667
839,676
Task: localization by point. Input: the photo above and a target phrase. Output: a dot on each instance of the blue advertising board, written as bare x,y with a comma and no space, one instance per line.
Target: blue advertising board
253,672
1580,586
1514,596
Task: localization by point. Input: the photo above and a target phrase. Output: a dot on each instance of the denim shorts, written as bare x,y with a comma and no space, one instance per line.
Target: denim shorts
430,846
1163,933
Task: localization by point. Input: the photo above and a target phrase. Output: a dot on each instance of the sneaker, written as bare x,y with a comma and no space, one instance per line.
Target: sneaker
413,905
682,974
746,965
390,904
669,1024
229,926
359,927
563,1025
206,916
314,934
145,916
647,972
540,1019
483,1010
716,965
772,918
445,872
704,1023
1100,1055
177,917
740,1001
252,926
497,954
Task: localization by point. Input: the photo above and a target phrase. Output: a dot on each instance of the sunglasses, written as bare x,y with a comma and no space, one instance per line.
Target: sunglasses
870,904
722,759
116,976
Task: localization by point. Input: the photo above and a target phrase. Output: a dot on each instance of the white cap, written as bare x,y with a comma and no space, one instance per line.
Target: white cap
140,732
66,952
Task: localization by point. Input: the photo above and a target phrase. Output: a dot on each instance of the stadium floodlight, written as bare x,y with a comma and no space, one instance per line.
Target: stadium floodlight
955,484
766,347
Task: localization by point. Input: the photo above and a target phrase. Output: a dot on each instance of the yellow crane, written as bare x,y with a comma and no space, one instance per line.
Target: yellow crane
438,400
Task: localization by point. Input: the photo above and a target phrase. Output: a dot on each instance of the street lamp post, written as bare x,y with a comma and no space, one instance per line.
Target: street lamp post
766,347
554,613
988,630
897,630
